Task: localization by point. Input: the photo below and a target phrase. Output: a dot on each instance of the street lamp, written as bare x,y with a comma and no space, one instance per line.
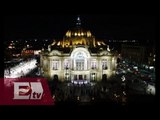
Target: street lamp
123,78
123,82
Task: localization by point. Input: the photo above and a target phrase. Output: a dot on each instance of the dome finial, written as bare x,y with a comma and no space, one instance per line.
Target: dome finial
78,23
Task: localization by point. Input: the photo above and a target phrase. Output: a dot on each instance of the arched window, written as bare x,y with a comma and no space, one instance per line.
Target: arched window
80,60
80,57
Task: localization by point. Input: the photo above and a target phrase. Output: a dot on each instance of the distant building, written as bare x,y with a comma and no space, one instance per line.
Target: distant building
135,54
139,54
151,57
79,56
30,52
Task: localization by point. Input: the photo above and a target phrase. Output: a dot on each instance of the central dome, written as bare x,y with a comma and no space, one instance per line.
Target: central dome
78,32
78,36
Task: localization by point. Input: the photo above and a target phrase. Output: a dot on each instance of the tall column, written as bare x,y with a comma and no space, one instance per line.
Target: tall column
74,64
62,68
114,63
89,64
109,64
99,69
86,64
50,67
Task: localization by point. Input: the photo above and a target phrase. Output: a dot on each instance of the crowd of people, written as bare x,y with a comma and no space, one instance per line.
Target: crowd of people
84,93
20,70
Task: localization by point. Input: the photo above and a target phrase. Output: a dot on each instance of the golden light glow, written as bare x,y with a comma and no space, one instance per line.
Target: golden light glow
82,34
79,34
88,34
68,34
53,43
58,43
108,48
75,34
98,43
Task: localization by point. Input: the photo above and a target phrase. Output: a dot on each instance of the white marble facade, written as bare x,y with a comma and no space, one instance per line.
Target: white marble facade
80,64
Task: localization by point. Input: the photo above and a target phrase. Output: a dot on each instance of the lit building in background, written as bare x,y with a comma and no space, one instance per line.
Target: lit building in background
133,53
79,56
138,54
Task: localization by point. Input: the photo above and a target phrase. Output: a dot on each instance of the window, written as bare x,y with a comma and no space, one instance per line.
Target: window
104,64
80,61
93,64
66,64
93,76
55,64
79,64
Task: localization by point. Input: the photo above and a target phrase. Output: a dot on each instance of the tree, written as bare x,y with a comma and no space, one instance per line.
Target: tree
118,60
8,55
54,84
104,78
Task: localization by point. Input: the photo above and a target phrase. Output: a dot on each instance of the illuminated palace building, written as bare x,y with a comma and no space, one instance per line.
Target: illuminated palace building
79,56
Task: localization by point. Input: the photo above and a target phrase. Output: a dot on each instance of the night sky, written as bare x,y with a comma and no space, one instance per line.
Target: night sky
109,26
